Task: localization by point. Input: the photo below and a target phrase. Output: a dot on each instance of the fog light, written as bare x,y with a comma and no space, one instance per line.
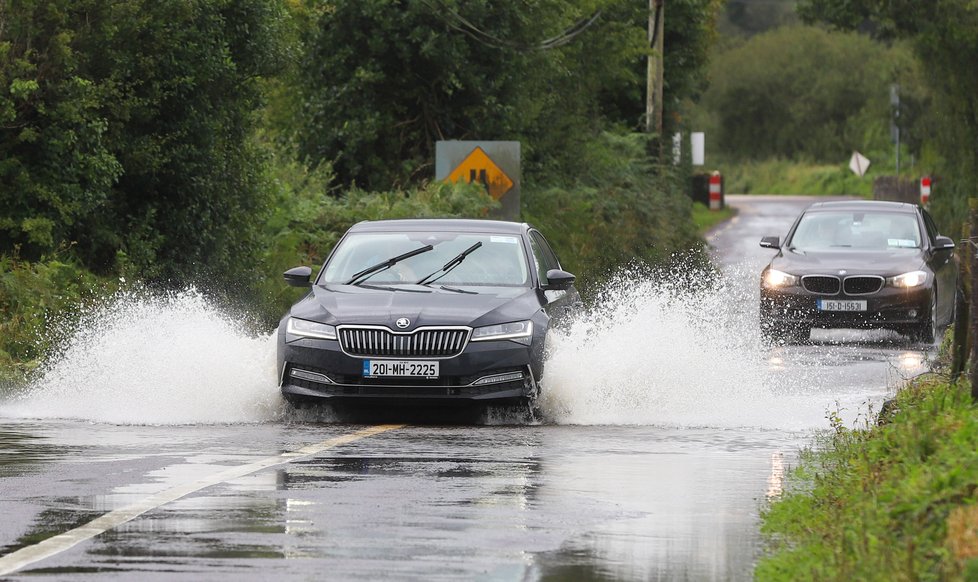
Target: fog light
498,378
310,376
912,313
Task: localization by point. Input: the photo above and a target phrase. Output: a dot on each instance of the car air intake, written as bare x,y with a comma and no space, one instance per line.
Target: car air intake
862,285
821,284
421,343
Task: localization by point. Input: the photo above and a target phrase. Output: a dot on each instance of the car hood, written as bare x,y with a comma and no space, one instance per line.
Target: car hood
356,305
885,263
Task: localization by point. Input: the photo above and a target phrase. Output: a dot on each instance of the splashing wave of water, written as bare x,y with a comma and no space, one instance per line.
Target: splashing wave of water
175,359
653,353
650,353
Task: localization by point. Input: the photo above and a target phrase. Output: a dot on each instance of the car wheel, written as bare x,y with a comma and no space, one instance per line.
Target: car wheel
926,332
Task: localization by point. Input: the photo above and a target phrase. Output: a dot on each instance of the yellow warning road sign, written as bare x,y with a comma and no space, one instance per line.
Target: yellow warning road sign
479,167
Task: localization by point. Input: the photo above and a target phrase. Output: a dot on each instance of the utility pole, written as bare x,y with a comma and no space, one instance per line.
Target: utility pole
894,121
653,99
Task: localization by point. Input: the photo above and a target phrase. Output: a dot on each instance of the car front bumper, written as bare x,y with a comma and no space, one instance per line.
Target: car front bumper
889,308
488,371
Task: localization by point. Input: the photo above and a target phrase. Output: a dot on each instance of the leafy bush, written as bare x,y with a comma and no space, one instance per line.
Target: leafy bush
34,297
133,139
803,92
622,212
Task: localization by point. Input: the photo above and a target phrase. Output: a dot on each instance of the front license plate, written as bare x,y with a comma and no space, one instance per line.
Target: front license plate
841,305
399,368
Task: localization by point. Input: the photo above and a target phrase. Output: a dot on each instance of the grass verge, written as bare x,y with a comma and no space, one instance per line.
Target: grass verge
792,177
895,501
705,219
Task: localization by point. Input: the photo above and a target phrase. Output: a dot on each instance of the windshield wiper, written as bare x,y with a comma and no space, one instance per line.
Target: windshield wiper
449,265
447,288
386,264
386,288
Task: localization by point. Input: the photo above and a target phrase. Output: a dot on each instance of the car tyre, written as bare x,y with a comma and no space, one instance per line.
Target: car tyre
926,332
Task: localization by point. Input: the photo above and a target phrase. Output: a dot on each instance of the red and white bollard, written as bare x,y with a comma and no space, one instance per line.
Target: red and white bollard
716,191
924,190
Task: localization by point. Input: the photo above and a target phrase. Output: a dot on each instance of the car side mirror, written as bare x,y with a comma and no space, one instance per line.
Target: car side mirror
771,242
559,280
943,243
298,276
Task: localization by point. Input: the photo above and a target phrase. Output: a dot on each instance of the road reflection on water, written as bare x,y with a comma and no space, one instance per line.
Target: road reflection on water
510,502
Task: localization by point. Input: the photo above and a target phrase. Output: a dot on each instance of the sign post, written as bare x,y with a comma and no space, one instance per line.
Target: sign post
494,164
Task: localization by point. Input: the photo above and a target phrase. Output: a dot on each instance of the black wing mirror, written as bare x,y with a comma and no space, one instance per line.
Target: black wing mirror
559,280
771,242
943,243
298,276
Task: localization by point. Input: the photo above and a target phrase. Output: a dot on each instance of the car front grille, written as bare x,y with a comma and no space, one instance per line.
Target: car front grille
821,284
862,285
422,343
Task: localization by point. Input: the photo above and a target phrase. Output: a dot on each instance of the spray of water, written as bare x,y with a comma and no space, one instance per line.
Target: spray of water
649,353
655,353
174,359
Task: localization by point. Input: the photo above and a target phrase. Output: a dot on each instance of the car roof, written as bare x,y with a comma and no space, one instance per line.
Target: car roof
444,224
866,205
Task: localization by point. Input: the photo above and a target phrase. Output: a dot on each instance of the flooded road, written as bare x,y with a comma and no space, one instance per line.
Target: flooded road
669,425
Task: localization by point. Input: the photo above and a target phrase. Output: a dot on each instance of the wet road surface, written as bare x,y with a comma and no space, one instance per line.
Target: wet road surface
583,500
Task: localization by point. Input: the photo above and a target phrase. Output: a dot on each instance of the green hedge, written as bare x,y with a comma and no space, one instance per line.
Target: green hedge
34,299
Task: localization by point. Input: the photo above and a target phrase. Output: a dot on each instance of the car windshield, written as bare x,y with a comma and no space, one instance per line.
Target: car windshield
498,261
856,230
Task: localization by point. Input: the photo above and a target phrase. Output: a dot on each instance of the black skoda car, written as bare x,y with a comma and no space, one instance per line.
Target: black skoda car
434,310
859,264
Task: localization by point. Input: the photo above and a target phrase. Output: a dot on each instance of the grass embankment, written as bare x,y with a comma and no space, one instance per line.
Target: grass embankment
790,177
890,502
705,219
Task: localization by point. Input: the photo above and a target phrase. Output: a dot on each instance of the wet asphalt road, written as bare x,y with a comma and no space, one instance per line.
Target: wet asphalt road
430,501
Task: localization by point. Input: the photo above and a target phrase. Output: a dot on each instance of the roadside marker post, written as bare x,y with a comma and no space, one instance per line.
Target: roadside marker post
924,190
716,191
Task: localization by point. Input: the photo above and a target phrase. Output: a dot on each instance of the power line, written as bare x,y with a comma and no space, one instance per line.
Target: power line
457,22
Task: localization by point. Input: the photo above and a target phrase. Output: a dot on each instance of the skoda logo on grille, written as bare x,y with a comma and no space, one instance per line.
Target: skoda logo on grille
402,322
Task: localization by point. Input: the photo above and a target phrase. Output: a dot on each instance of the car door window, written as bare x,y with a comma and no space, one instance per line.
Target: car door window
543,256
932,231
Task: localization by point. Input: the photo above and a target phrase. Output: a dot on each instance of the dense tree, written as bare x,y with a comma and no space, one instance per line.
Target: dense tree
128,127
750,17
182,101
382,80
55,165
804,92
945,37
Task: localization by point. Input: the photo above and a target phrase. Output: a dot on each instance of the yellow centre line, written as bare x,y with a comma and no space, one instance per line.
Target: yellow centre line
55,545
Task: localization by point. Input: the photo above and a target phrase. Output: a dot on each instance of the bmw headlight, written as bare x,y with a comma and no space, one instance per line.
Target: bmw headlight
776,279
520,331
912,279
306,328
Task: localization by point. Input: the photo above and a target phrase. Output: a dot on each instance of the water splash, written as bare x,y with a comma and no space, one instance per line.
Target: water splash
650,353
656,353
174,359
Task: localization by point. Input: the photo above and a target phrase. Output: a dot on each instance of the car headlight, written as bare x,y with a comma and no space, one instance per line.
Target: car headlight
306,328
776,278
912,279
520,331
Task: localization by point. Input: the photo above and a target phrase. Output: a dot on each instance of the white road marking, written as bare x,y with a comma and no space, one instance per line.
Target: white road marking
54,545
